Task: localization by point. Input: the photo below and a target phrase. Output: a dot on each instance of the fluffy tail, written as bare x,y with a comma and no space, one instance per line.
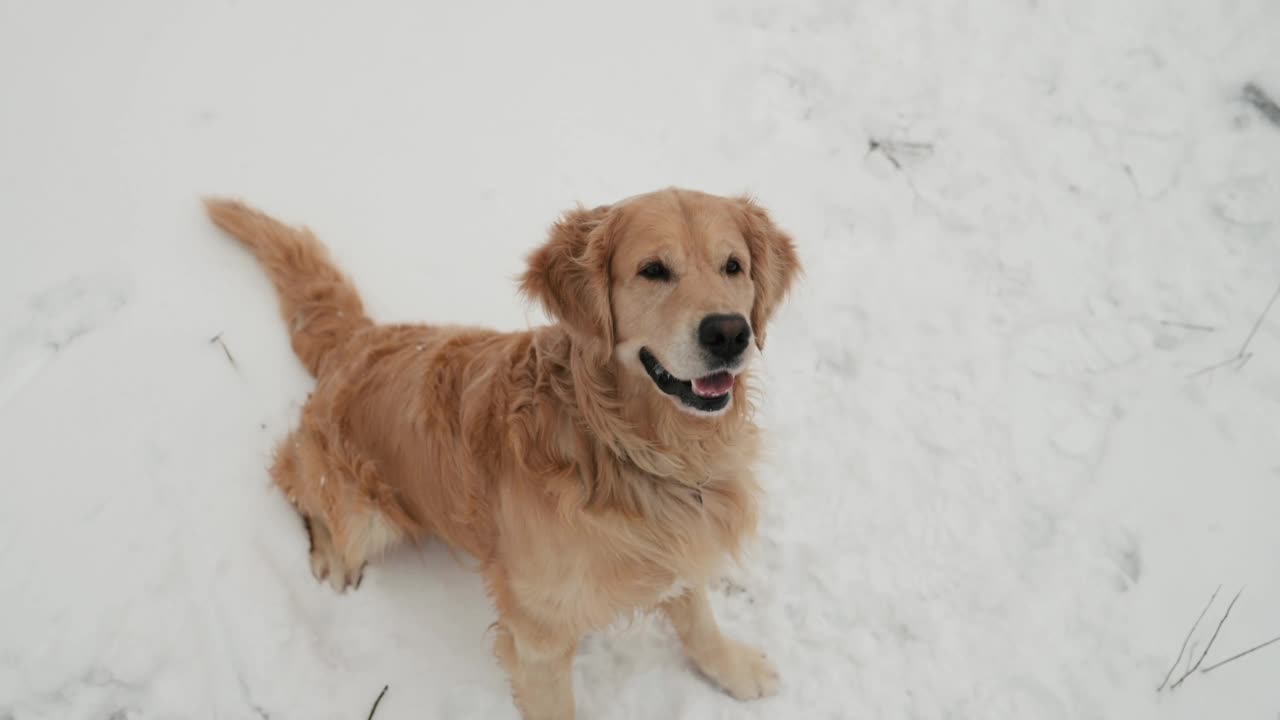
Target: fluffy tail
319,305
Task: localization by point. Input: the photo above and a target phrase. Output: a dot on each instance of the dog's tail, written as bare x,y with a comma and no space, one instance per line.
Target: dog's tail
321,307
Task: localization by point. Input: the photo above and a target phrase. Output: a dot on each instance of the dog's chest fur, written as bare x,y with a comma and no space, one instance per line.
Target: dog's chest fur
602,564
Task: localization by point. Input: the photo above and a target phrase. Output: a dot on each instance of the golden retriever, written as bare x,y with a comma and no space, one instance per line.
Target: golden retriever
596,467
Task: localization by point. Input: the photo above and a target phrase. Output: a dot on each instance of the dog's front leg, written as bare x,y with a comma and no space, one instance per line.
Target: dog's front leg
743,671
540,663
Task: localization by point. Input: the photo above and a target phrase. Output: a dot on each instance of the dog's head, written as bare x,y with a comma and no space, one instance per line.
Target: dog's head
676,285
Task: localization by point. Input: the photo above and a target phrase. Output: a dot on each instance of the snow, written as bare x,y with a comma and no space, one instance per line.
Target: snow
997,486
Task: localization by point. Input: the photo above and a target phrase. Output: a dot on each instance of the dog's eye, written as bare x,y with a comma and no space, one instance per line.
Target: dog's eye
655,271
732,267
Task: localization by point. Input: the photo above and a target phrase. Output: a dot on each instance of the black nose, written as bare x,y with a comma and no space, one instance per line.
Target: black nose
724,336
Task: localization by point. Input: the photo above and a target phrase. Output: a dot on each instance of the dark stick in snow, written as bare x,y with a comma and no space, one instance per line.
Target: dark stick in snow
1210,643
1234,360
892,148
1243,355
1258,323
874,145
1237,656
1187,325
1187,639
374,709
1255,96
218,339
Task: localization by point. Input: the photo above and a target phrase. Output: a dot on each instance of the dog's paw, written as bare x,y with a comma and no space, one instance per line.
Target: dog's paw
327,566
742,671
349,578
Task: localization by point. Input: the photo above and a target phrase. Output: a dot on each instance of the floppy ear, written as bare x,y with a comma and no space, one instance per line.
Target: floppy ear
569,274
774,264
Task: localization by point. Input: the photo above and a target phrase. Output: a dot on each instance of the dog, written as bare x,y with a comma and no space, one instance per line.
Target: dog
597,466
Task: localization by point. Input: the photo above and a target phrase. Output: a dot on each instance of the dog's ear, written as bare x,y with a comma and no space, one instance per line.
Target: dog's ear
774,263
569,274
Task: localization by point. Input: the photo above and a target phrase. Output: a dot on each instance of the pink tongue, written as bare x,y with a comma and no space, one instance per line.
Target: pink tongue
713,385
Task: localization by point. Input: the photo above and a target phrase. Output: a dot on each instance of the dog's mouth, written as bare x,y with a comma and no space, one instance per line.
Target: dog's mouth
708,394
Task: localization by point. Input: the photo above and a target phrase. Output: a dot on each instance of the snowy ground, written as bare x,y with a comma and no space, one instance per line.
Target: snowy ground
996,489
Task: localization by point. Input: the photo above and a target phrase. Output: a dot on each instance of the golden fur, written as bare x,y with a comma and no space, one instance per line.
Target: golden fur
584,492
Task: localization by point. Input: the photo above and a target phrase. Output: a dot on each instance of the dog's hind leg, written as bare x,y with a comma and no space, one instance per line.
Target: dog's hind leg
343,522
342,563
326,564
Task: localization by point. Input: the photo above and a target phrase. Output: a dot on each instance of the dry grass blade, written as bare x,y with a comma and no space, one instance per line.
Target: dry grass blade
1239,655
374,709
1182,650
1258,323
217,339
1208,645
1188,326
1243,355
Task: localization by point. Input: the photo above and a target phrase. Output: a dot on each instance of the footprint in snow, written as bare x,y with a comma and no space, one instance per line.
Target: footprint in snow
52,321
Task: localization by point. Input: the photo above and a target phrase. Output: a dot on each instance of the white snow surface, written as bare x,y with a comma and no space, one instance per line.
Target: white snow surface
996,487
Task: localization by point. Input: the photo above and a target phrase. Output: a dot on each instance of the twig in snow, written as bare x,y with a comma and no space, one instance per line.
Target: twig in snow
218,340
1234,360
1188,326
1187,639
1256,97
1133,179
874,145
1258,323
374,709
1243,355
892,148
1208,645
1237,656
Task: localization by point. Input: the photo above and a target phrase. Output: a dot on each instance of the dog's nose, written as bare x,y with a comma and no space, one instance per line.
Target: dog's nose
724,336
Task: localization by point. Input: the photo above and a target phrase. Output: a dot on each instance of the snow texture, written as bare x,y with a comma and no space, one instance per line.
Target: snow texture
998,484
